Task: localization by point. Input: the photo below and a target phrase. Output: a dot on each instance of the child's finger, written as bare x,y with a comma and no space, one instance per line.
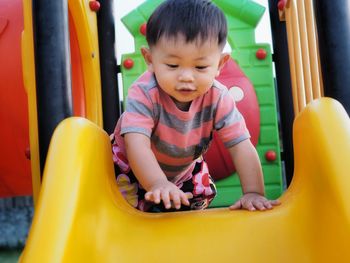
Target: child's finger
166,199
275,202
175,196
156,196
149,196
189,195
259,205
267,204
184,198
237,205
249,206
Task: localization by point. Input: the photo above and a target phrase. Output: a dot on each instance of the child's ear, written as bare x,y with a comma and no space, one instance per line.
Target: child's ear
224,58
146,53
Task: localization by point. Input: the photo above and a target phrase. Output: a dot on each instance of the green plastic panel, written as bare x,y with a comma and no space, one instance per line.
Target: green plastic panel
242,17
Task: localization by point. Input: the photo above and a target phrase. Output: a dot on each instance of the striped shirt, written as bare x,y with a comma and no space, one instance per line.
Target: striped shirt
178,137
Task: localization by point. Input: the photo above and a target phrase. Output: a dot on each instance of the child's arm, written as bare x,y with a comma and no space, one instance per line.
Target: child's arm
148,172
246,161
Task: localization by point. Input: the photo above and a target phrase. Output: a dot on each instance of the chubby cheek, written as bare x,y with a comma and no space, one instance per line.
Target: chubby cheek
166,81
205,82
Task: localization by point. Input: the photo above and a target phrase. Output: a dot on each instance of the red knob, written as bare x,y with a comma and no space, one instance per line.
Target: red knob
281,4
94,6
128,63
261,54
143,29
270,156
27,153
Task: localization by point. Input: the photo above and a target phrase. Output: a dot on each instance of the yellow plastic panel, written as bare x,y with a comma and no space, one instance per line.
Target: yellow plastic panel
81,217
28,64
86,27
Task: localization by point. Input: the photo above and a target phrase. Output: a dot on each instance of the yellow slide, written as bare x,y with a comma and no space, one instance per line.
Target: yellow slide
81,216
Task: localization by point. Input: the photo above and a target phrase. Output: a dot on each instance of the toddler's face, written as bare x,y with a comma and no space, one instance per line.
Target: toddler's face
183,70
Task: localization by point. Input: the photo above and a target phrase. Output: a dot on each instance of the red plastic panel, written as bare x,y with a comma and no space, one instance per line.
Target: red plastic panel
14,135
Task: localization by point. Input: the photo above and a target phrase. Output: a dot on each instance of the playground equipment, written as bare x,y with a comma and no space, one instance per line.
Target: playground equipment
80,214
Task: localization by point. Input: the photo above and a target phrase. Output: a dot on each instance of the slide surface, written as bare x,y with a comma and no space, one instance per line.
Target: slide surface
81,216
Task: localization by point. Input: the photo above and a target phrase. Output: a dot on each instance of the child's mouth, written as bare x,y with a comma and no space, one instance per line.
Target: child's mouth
185,92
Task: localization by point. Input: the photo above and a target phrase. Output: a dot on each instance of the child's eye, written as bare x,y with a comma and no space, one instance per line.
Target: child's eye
201,67
172,65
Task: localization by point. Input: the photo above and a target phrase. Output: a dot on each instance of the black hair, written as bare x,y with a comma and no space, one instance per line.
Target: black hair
194,19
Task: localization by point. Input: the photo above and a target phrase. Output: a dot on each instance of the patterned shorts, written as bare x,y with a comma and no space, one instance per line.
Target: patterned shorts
201,186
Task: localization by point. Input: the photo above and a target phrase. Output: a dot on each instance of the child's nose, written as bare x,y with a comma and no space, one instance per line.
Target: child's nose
186,75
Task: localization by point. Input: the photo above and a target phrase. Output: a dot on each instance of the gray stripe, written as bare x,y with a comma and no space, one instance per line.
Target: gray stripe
241,138
172,121
172,168
146,86
136,106
177,152
230,118
135,130
167,118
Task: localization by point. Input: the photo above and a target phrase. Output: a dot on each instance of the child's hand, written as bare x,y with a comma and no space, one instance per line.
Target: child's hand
170,194
254,201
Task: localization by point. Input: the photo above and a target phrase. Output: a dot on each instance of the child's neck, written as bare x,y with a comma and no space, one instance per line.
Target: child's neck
184,106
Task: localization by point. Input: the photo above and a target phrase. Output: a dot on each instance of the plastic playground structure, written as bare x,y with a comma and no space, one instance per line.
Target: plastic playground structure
80,215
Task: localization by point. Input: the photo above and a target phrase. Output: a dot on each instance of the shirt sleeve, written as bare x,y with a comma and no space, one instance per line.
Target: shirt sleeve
229,122
139,114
